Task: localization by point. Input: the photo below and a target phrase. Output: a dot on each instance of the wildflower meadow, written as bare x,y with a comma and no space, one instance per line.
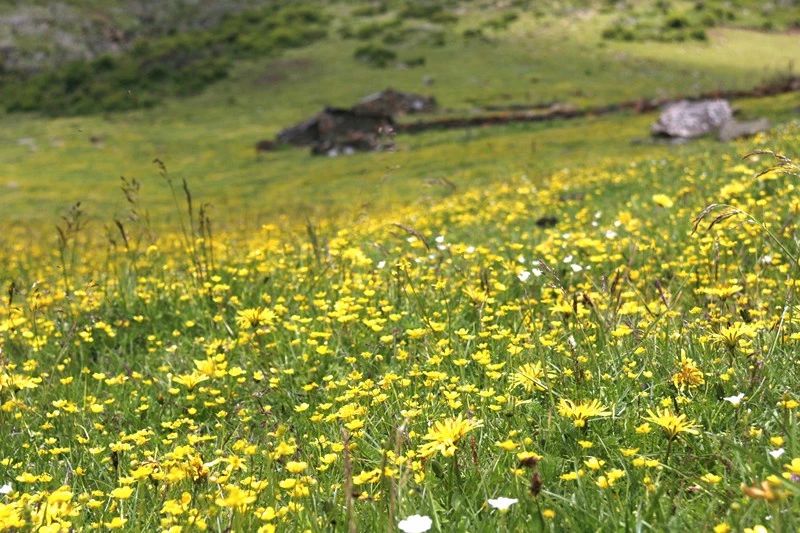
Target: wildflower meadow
613,348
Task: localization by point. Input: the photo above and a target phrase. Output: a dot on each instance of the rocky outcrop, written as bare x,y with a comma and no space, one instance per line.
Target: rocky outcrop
392,103
336,131
734,129
687,120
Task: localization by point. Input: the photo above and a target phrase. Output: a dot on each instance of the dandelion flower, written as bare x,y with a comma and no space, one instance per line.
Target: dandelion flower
662,200
580,412
529,377
445,434
672,424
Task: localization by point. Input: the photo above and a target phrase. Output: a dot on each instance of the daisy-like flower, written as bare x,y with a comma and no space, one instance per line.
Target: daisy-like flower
672,424
581,412
730,336
530,377
502,503
415,524
734,400
445,434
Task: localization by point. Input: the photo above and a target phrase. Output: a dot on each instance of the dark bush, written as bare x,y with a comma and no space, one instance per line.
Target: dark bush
177,65
375,55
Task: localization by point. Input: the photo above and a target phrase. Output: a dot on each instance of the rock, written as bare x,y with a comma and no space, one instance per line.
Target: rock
546,221
336,131
265,146
686,120
391,102
733,129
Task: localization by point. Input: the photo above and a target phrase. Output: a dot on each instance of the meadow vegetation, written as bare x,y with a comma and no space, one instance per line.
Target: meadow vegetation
575,343
562,326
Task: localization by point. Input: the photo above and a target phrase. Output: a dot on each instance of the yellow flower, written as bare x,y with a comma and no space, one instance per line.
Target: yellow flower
663,200
731,336
190,381
122,493
254,318
296,467
237,498
792,469
116,523
710,478
582,411
688,375
445,434
530,377
672,424
593,463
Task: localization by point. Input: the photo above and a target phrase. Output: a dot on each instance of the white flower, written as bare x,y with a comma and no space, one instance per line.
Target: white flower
470,249
536,272
502,503
6,489
568,259
381,264
523,276
415,524
735,400
439,239
777,453
576,268
611,234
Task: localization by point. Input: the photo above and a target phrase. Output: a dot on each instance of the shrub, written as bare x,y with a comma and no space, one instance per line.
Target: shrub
176,65
375,55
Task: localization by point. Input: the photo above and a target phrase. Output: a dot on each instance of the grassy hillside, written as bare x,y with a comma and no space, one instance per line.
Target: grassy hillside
615,370
49,164
555,326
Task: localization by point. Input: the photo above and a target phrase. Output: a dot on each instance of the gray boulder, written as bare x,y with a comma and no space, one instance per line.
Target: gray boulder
686,120
733,129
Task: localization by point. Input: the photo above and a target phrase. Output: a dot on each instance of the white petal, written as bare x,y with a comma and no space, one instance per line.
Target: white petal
576,268
735,400
415,524
777,453
536,272
523,276
502,503
6,489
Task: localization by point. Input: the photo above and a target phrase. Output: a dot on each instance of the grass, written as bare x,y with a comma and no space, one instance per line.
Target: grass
533,311
353,377
209,139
